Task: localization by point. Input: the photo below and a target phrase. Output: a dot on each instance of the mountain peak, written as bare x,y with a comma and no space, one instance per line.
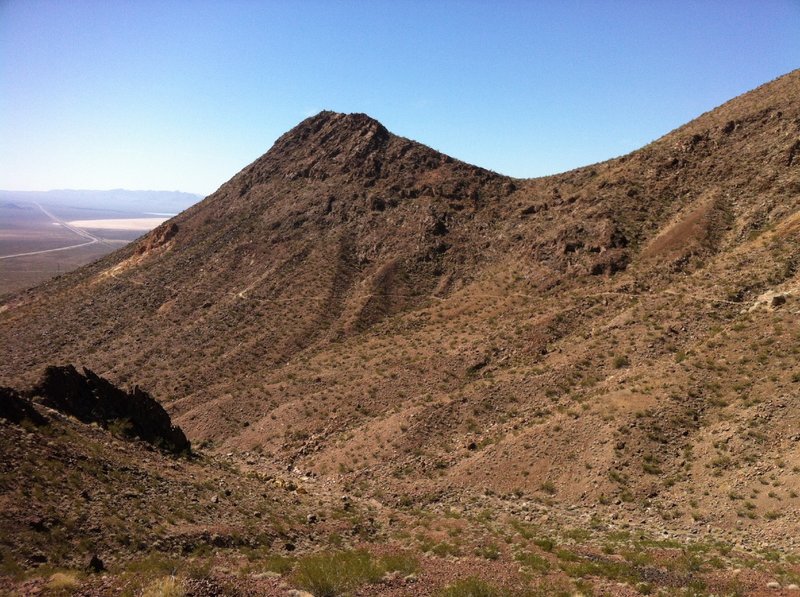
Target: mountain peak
334,131
327,144
356,147
349,121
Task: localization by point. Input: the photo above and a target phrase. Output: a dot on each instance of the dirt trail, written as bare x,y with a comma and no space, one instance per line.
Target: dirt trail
82,233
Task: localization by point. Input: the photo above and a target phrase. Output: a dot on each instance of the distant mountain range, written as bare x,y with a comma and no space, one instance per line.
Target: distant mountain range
123,199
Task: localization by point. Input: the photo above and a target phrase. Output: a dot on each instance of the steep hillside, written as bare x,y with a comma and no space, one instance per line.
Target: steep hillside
91,511
621,338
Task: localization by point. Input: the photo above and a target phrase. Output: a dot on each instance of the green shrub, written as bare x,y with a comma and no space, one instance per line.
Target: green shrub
9,566
331,574
155,564
526,530
490,552
444,549
545,543
337,573
611,569
469,587
534,562
277,563
567,555
121,427
548,487
403,563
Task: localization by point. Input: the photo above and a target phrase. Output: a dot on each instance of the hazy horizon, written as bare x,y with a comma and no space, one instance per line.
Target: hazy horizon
107,190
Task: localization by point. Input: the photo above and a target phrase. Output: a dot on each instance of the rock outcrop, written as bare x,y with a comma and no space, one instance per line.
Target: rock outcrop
93,399
17,408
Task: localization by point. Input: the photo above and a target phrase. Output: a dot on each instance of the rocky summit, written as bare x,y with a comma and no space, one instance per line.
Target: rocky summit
427,376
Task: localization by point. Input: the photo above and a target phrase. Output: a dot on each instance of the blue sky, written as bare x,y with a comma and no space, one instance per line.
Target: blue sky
180,95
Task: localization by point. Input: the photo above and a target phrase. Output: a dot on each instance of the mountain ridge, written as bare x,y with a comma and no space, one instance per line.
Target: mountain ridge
587,381
352,292
96,198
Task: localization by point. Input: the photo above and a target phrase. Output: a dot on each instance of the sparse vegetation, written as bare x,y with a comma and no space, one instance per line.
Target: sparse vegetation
621,361
61,582
470,587
335,573
167,586
403,366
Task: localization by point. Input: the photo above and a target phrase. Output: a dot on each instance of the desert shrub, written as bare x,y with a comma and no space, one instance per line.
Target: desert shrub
277,563
263,559
578,534
545,543
8,565
548,487
567,555
534,562
121,427
198,568
331,574
611,569
336,573
445,549
155,564
621,361
167,586
403,563
490,552
62,582
525,530
469,587
650,465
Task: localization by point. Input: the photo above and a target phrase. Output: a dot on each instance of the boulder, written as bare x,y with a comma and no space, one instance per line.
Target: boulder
96,564
777,301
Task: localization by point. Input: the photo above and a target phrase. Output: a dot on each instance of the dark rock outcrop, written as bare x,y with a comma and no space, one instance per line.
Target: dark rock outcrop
95,565
16,408
93,399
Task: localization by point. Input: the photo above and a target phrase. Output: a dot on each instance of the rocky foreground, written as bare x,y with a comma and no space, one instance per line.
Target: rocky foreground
95,508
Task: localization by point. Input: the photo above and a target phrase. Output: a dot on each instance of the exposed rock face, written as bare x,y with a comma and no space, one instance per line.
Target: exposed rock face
16,408
360,148
92,399
157,238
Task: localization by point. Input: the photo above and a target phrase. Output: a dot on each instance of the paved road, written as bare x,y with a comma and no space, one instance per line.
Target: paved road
91,239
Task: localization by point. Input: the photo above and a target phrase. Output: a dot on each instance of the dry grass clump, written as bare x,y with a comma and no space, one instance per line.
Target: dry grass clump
470,587
332,574
62,582
167,586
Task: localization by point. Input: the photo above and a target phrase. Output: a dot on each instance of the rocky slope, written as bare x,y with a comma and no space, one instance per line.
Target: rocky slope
87,511
621,338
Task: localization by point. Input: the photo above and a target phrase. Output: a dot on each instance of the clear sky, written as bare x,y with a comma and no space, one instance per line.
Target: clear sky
181,95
